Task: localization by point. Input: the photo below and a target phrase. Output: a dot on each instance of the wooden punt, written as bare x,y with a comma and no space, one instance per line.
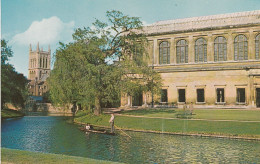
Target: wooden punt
100,131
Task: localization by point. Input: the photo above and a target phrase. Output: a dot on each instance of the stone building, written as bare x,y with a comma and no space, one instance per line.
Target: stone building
38,71
210,61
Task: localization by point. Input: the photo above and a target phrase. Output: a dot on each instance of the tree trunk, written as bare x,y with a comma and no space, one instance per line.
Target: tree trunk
97,110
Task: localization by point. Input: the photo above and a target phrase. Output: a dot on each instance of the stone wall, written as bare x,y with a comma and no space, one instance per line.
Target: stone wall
209,75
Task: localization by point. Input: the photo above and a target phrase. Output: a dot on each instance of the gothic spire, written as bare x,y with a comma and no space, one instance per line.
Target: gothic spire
38,47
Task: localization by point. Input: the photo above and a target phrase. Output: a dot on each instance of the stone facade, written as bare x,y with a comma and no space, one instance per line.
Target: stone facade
38,71
210,61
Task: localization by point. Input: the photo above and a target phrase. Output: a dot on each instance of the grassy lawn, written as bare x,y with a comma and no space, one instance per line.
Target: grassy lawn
27,157
210,114
7,113
227,128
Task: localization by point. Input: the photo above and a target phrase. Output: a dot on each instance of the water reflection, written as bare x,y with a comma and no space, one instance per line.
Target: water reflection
56,135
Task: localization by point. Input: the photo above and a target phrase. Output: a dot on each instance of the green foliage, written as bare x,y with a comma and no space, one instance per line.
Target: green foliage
6,52
46,97
85,70
7,113
28,157
13,84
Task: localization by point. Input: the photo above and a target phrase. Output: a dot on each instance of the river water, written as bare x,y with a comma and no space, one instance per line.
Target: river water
58,135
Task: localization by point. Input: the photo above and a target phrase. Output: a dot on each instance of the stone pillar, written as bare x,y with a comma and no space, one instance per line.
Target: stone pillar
145,100
129,104
191,50
155,52
210,48
251,48
172,51
251,96
230,47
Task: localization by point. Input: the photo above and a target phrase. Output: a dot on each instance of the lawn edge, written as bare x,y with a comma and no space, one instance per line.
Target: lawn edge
51,155
180,134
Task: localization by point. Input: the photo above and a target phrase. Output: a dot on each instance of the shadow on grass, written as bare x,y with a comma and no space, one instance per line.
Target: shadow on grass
186,114
148,111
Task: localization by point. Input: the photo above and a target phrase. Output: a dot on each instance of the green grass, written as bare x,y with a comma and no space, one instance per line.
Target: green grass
27,157
226,128
7,113
209,114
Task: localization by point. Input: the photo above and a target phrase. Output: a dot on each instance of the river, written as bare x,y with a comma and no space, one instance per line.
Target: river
58,135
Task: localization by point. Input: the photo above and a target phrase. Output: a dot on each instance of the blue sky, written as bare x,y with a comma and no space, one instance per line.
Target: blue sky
50,21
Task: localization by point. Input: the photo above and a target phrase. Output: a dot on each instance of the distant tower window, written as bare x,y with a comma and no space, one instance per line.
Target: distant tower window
240,47
164,54
40,75
257,45
220,49
182,51
201,50
40,62
46,63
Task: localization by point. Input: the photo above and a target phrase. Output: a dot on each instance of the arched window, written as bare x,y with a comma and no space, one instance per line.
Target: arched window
220,49
201,50
46,63
182,51
40,76
257,45
40,62
43,63
240,47
164,54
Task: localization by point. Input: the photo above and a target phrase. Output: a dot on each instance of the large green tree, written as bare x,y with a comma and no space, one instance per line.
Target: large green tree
102,62
13,84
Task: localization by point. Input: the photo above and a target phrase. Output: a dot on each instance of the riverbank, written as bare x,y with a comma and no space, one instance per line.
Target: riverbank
21,156
213,127
8,113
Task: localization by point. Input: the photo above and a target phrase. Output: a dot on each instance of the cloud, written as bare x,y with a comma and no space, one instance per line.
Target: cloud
46,31
145,23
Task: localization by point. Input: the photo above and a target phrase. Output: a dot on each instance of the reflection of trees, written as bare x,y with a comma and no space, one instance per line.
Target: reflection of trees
54,135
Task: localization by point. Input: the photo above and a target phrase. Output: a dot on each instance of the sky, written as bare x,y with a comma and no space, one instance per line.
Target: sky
25,22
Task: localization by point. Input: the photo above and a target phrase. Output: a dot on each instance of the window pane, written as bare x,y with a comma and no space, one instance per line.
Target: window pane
240,48
164,53
257,45
182,95
182,51
220,49
164,97
200,50
200,95
220,95
241,96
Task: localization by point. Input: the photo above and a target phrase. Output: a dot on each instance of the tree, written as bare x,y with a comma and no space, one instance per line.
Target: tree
13,84
6,52
102,63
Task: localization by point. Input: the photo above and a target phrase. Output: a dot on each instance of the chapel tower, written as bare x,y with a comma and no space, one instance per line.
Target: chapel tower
39,70
39,64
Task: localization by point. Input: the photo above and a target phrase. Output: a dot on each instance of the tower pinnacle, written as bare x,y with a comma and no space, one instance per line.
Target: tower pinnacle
38,47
